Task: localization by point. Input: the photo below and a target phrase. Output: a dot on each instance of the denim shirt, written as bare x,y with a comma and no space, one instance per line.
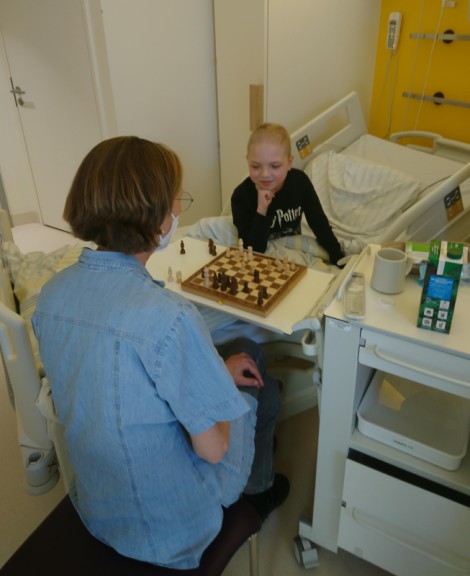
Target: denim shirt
133,370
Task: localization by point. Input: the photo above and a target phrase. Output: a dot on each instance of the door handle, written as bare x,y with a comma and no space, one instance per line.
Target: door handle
18,92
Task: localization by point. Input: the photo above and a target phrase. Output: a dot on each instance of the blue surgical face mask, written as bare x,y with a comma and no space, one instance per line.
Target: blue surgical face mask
165,238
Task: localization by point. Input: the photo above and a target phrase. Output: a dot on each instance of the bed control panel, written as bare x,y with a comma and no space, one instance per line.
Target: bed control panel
393,34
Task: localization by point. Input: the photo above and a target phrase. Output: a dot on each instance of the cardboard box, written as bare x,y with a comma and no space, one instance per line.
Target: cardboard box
440,286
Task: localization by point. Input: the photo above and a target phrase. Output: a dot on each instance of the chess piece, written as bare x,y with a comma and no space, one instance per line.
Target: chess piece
256,276
246,288
233,286
178,277
212,247
182,250
260,298
170,274
206,277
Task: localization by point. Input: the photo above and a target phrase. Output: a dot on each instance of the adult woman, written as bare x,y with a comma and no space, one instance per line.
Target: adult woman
159,436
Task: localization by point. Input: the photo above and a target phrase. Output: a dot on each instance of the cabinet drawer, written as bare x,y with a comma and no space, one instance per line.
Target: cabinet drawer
424,364
401,527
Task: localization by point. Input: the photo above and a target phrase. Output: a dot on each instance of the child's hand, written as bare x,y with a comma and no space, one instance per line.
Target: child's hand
265,198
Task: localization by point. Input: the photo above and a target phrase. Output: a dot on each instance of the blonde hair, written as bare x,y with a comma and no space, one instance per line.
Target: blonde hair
271,132
122,193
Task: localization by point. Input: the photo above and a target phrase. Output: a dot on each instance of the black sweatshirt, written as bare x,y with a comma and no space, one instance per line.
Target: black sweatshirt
284,215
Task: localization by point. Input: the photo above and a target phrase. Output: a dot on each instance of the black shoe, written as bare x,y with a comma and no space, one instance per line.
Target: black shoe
267,501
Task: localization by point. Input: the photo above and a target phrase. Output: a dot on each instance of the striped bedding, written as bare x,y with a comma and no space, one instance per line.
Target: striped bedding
359,198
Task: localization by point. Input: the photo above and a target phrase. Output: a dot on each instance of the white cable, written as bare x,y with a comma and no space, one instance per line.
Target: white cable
429,65
391,92
382,90
413,69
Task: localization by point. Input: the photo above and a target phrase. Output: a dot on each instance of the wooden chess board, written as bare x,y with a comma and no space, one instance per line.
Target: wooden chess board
275,279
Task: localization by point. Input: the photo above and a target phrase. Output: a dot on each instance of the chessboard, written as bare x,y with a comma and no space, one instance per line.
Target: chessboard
246,280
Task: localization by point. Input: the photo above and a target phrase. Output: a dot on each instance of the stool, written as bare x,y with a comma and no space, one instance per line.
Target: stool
62,545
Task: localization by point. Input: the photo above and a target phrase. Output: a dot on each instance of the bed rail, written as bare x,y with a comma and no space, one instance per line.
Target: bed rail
440,146
333,129
437,195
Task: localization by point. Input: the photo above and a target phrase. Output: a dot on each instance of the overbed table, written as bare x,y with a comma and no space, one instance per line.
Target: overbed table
294,312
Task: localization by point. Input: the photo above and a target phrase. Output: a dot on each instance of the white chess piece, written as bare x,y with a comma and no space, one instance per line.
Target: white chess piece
206,277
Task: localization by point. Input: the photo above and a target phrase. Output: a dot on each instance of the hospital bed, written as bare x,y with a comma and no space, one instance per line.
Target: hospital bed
374,190
40,435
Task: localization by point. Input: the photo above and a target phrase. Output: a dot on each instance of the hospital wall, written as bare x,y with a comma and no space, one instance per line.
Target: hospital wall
162,72
423,67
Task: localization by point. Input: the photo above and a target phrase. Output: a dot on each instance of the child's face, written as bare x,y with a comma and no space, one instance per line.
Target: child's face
268,165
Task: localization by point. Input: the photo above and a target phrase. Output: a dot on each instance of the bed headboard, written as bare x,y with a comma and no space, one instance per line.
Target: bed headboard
333,129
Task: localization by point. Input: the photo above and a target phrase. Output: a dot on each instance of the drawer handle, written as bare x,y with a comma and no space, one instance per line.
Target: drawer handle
399,362
370,523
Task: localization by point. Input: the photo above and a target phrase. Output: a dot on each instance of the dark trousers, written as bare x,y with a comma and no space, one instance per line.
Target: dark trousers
269,403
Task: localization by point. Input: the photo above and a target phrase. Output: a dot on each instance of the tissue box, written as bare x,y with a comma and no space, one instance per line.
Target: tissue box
440,286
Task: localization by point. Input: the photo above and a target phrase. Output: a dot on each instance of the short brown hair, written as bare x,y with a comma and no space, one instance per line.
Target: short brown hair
122,192
271,132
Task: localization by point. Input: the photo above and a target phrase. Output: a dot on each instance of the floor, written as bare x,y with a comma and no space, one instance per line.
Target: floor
20,512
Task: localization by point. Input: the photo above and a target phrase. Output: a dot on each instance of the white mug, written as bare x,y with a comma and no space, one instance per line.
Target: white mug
390,269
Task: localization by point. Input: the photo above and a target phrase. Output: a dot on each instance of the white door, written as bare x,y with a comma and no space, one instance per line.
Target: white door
48,59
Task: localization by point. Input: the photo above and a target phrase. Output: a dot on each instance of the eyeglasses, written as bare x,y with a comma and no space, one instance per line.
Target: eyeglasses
185,200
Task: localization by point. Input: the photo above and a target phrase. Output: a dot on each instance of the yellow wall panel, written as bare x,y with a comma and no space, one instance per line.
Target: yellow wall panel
423,66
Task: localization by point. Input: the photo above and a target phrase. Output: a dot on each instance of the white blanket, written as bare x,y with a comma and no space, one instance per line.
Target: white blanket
360,199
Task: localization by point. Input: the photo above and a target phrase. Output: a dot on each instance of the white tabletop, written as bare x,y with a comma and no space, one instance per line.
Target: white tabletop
296,305
398,314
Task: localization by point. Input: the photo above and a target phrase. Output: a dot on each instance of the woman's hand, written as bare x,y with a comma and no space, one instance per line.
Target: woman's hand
244,371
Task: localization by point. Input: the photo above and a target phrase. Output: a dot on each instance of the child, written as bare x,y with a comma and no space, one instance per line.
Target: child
269,203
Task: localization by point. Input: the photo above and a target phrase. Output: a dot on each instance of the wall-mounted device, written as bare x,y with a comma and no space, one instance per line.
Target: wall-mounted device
393,32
